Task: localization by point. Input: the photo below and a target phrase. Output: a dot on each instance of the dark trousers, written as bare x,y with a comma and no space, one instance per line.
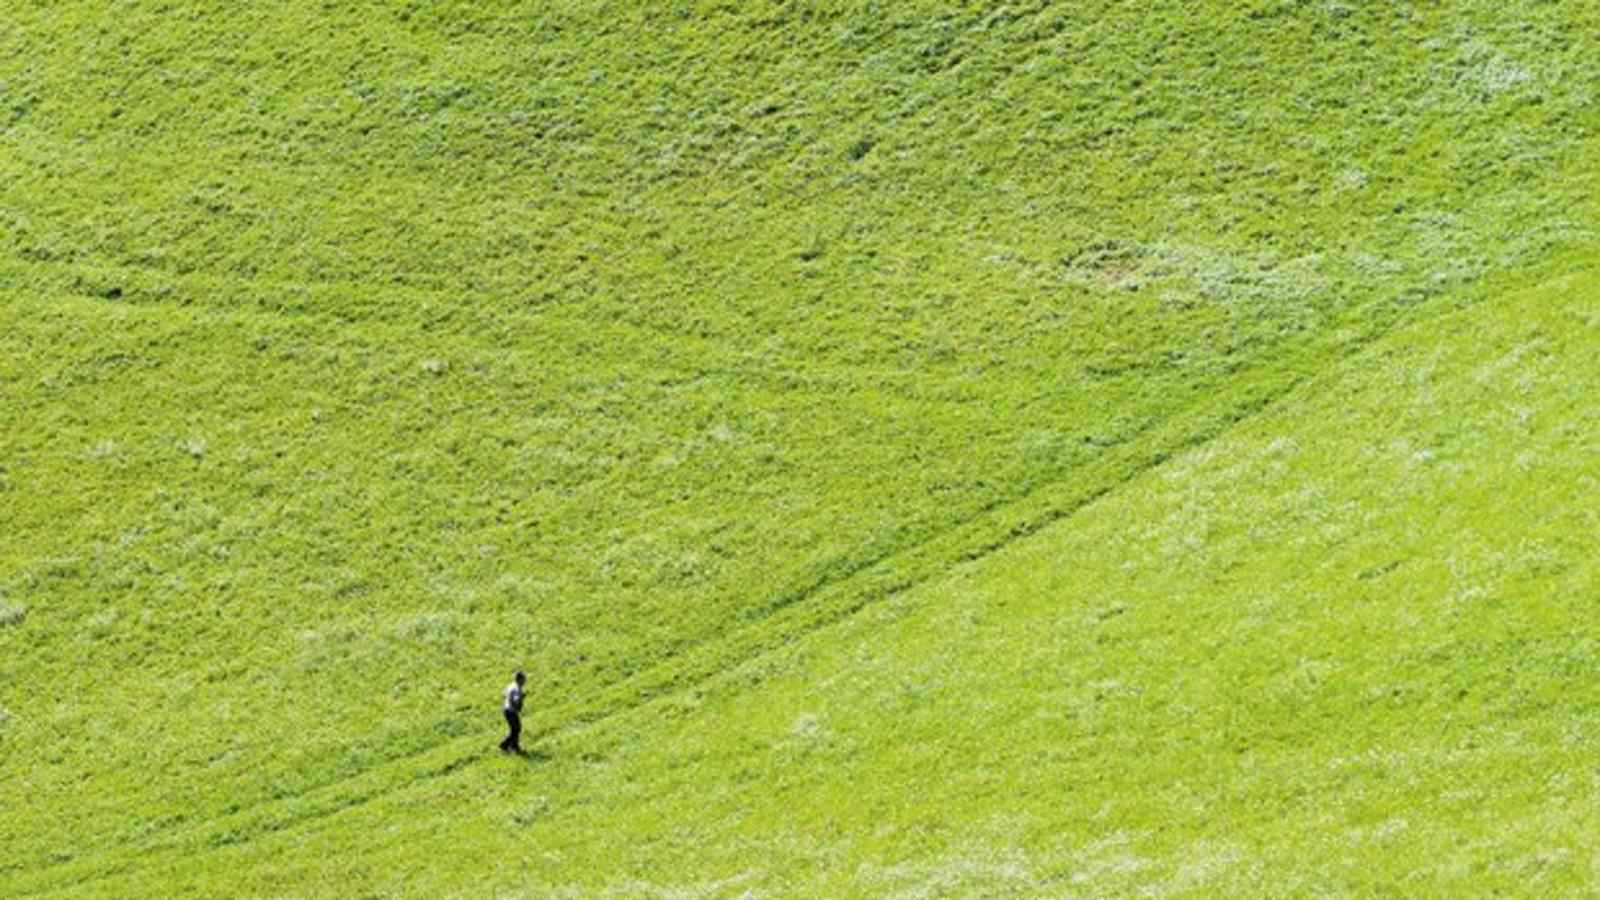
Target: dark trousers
513,740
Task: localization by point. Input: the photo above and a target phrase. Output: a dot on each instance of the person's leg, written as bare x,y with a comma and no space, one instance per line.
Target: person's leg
512,727
516,732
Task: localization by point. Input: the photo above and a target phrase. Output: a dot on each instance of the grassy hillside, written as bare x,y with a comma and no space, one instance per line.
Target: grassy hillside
349,357
1343,649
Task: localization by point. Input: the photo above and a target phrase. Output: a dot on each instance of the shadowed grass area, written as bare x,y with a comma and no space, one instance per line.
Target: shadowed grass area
351,357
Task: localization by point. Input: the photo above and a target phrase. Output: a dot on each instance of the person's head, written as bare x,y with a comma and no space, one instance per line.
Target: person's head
521,677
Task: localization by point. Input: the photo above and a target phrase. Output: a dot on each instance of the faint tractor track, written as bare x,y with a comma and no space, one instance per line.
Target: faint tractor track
791,617
785,620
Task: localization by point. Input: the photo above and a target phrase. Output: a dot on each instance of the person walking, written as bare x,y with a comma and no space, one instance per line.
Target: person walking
513,711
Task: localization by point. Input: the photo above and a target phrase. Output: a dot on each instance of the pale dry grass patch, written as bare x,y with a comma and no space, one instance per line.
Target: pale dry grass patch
738,885
12,613
972,870
1201,867
1105,865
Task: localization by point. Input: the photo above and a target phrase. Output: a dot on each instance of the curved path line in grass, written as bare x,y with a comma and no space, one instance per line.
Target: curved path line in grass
87,283
1344,369
829,601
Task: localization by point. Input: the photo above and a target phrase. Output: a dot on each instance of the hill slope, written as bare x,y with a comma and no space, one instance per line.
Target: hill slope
1343,647
348,358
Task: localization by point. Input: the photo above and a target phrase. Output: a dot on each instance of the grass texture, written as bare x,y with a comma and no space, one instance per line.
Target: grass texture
914,448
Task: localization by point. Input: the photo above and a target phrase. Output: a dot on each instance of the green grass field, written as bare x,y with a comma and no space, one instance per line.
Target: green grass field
916,449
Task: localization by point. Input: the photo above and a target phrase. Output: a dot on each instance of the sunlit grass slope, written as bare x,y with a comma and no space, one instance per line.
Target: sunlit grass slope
350,356
1346,648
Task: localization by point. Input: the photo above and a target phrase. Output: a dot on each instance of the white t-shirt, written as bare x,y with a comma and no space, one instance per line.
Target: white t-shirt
513,698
